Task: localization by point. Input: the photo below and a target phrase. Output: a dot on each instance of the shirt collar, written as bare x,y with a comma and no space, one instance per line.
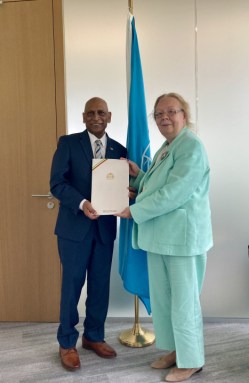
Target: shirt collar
94,138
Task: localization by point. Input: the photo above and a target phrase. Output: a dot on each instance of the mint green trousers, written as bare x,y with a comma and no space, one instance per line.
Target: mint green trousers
175,287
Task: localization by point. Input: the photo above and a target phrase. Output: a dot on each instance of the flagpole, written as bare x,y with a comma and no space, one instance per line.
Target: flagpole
137,337
130,4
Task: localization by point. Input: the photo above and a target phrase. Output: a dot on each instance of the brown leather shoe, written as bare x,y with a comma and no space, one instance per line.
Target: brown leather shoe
102,349
181,374
165,361
69,358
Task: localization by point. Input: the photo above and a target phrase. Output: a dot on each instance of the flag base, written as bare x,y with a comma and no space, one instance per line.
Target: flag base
137,337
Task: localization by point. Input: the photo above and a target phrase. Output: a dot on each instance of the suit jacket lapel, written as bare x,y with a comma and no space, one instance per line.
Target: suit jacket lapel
109,148
86,146
155,164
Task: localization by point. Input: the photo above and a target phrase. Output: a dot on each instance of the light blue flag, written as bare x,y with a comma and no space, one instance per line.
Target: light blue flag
133,263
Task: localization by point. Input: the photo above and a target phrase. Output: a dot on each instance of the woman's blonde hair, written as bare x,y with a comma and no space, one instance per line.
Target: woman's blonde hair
184,105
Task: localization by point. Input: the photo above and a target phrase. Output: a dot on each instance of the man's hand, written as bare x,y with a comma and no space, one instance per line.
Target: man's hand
89,210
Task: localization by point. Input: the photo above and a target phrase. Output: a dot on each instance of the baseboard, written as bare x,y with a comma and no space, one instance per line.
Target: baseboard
225,320
205,319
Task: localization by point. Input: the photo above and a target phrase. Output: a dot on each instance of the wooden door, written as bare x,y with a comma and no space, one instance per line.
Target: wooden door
32,116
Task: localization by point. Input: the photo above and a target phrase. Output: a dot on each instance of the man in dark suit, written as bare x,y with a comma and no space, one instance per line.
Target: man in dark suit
85,240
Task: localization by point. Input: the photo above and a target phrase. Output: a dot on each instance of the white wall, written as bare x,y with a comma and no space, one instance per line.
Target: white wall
224,126
214,68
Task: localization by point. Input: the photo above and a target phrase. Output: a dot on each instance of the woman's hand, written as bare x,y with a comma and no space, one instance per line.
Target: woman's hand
133,168
132,192
126,213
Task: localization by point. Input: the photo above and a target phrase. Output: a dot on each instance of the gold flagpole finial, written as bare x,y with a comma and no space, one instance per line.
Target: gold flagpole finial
130,6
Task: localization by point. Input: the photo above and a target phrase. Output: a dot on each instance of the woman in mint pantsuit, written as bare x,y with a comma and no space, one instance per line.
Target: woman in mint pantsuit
172,222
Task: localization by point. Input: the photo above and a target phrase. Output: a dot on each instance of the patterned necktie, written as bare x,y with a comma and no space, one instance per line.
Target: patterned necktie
98,146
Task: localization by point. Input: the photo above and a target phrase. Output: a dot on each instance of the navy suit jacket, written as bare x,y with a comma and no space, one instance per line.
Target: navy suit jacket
70,183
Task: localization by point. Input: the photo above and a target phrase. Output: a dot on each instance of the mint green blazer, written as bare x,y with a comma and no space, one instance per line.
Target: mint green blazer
172,212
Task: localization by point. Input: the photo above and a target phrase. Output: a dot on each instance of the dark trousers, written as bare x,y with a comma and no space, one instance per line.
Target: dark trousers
89,258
